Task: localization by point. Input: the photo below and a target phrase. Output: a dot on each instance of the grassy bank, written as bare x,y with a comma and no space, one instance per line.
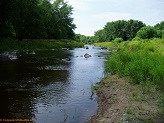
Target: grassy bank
12,44
141,62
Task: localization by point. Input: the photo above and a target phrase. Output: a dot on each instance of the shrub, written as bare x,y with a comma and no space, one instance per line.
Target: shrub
147,32
117,40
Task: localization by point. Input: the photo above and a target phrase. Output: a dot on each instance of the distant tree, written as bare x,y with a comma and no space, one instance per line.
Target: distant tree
159,26
160,29
77,37
147,32
84,39
126,30
100,36
133,26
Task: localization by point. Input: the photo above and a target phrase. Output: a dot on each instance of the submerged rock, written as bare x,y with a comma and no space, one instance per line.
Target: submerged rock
86,47
87,55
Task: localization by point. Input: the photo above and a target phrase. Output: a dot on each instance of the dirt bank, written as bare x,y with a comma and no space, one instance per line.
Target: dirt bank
121,102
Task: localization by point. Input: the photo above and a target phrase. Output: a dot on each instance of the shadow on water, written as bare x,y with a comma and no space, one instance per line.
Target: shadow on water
51,85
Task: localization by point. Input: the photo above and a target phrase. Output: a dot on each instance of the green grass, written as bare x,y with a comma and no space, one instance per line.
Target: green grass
108,45
141,61
8,44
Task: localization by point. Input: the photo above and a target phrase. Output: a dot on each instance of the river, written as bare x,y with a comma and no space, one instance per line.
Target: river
51,86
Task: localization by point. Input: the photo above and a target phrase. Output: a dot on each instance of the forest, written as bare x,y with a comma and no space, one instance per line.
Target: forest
36,19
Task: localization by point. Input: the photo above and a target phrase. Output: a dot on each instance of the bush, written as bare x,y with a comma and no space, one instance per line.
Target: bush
147,32
136,39
117,40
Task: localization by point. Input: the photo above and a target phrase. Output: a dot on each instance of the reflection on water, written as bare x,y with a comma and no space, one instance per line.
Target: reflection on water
51,85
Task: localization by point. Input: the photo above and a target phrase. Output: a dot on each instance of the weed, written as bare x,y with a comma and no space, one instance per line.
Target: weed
129,111
97,88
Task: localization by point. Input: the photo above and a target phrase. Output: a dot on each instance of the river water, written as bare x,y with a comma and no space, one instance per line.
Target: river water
51,86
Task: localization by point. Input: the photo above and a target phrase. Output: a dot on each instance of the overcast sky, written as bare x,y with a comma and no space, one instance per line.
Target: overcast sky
92,15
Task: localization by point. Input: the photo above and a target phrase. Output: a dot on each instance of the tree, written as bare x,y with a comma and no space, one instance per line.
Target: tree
64,20
24,18
159,26
36,19
160,29
147,32
84,39
126,30
6,27
133,26
100,36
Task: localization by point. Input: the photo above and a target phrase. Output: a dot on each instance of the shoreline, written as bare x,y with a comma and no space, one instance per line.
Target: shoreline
8,44
122,102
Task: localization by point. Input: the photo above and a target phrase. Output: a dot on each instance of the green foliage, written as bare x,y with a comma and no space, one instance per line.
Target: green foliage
141,61
160,29
36,19
84,39
126,30
117,40
160,26
147,32
100,36
116,29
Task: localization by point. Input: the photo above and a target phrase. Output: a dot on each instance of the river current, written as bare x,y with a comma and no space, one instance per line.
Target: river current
51,86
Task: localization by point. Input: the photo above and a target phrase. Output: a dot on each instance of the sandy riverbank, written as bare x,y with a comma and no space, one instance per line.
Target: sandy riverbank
121,102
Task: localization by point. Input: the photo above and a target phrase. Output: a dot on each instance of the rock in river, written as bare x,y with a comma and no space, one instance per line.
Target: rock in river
87,55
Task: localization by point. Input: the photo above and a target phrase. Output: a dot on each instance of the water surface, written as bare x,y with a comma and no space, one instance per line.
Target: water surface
51,86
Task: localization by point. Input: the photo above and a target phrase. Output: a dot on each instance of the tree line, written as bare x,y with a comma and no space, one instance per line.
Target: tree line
84,39
36,19
122,30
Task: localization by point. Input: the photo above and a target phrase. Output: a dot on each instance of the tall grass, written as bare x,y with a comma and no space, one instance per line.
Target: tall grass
140,66
140,60
11,44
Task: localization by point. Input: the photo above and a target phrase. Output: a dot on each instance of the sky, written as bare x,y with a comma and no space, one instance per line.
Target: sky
92,15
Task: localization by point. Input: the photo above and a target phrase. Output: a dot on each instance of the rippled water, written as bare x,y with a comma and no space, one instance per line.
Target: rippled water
51,86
